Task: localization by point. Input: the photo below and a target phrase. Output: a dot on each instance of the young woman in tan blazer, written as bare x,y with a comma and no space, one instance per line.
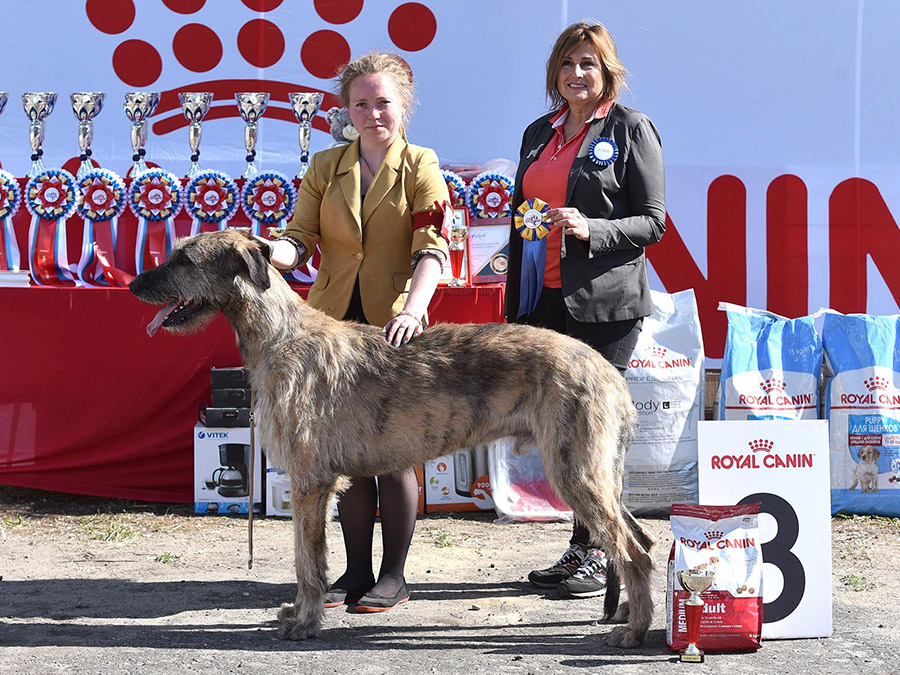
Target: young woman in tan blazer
373,208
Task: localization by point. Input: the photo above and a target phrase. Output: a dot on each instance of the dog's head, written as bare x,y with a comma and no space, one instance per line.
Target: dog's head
200,277
869,453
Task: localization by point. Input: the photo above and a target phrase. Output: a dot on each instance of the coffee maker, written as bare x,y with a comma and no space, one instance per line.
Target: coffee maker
232,477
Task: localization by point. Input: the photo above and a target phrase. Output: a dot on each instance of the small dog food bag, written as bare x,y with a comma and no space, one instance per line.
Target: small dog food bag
862,404
665,377
771,368
724,539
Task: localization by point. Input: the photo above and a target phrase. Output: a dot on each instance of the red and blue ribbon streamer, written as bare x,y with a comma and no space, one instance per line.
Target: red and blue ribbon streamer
50,198
155,198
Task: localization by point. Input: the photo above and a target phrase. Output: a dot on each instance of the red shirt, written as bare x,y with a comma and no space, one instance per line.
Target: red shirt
548,177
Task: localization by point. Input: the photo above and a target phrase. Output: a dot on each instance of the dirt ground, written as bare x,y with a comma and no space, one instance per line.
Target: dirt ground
100,586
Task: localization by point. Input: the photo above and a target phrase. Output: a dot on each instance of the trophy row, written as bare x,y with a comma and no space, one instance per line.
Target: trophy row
140,105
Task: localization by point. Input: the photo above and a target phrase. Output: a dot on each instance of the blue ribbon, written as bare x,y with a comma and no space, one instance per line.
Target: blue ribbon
534,259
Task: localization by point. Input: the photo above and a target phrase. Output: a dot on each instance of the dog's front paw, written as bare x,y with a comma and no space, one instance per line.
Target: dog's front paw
292,629
624,637
287,612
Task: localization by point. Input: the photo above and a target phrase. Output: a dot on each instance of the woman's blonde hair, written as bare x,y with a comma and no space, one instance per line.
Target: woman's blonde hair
373,62
603,43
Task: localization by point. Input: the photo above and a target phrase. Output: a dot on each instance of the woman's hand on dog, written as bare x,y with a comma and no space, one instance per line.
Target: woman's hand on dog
402,328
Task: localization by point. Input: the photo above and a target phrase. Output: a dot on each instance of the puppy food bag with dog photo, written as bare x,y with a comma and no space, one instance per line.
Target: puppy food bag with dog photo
724,540
771,368
862,403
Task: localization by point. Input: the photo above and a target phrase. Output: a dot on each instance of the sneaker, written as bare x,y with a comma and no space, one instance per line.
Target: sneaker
564,568
589,580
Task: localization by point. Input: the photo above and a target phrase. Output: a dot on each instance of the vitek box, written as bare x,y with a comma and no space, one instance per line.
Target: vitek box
278,493
222,471
459,482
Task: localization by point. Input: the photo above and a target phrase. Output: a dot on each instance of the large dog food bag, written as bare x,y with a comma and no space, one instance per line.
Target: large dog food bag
665,376
862,403
771,368
724,539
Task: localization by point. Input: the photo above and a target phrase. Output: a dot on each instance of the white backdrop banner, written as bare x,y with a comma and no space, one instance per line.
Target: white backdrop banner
778,120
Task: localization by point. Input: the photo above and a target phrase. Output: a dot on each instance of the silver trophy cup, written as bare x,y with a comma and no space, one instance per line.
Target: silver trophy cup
306,105
139,106
38,105
195,105
252,106
86,105
695,582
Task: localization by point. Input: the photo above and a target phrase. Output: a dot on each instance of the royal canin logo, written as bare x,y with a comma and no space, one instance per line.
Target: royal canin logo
717,543
261,43
775,397
768,460
659,358
761,445
879,393
713,534
772,384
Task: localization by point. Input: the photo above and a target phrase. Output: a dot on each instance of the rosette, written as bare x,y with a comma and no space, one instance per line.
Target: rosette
489,195
456,186
155,198
211,197
268,199
10,201
50,198
102,200
603,151
531,219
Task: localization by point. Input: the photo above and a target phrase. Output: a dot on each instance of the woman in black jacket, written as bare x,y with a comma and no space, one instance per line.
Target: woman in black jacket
591,172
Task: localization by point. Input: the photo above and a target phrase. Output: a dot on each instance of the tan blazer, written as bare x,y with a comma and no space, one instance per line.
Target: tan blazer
373,240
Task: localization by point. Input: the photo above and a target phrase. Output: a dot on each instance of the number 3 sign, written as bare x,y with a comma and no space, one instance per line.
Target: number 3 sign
783,465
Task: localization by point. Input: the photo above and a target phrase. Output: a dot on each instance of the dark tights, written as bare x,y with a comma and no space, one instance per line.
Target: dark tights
398,496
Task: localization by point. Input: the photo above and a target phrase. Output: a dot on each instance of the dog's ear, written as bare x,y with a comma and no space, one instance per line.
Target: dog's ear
255,255
876,453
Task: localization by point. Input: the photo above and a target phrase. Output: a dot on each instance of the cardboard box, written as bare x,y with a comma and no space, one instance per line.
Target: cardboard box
222,471
459,482
278,493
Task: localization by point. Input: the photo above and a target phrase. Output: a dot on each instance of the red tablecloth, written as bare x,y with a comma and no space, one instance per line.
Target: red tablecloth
89,404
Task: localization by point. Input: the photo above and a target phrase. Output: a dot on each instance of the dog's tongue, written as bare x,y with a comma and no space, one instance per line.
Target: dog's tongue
161,315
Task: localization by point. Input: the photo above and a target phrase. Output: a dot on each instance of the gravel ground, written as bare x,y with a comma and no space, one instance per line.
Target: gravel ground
99,586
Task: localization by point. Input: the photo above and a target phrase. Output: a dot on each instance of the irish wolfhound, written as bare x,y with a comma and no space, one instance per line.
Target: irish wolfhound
334,399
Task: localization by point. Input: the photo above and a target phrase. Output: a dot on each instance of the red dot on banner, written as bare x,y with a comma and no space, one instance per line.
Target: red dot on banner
137,63
412,27
324,53
110,16
262,5
260,43
197,47
338,11
184,6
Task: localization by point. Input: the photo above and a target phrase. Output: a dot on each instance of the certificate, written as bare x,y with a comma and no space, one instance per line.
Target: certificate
488,250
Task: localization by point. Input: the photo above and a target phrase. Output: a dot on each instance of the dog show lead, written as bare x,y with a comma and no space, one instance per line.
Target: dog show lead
370,206
591,189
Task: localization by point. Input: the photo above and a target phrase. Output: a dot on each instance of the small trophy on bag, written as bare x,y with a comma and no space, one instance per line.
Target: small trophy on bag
252,106
458,232
86,105
139,106
195,105
306,105
695,582
38,105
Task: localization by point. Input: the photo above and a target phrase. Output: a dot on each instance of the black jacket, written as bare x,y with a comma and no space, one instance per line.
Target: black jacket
604,279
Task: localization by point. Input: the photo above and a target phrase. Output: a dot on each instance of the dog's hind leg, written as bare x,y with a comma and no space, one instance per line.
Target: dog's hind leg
303,619
636,565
